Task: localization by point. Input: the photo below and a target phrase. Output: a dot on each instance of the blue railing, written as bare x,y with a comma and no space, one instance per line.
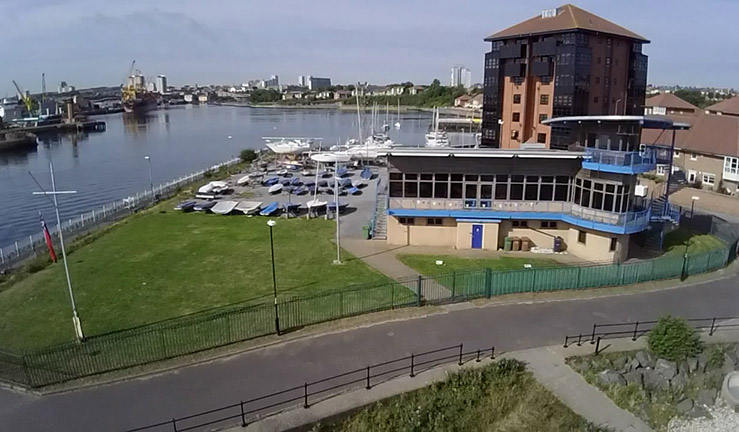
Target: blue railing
373,221
620,162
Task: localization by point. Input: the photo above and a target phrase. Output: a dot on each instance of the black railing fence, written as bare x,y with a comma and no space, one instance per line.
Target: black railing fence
306,394
637,329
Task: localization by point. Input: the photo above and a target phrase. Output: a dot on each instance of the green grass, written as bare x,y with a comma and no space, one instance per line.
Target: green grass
162,264
500,397
426,264
675,242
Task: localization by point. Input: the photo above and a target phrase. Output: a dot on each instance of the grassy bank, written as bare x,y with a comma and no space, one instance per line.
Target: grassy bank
161,264
426,264
500,397
675,242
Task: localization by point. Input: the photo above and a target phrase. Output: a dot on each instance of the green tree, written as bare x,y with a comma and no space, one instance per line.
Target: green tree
674,339
263,96
694,97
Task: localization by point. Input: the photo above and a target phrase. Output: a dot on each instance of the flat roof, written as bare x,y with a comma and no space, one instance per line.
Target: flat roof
646,122
482,153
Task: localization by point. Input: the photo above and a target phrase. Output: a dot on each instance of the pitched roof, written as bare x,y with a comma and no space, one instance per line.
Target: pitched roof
669,100
567,17
730,106
709,133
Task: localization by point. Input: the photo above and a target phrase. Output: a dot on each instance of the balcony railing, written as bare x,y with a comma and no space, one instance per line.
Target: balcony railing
620,162
628,222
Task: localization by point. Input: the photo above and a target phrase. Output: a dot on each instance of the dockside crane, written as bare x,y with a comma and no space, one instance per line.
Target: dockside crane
27,101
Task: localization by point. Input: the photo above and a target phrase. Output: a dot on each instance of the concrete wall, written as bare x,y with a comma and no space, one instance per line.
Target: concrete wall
596,247
541,237
421,234
704,163
489,235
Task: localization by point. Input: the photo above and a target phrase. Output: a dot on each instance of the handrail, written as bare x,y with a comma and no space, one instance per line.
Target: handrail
620,158
303,392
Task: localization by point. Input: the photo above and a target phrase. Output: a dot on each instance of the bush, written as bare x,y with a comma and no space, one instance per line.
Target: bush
247,155
674,339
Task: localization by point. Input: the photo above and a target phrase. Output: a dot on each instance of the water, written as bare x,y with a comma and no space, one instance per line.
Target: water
108,166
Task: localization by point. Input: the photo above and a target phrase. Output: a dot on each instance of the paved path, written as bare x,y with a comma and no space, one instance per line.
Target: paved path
196,388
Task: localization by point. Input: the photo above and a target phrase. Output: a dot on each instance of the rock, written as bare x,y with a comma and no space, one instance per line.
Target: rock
684,405
706,397
731,356
583,366
702,362
666,368
632,365
679,381
682,366
619,363
645,359
608,378
729,364
692,364
697,411
654,381
634,377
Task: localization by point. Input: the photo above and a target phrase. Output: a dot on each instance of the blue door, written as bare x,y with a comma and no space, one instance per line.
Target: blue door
476,236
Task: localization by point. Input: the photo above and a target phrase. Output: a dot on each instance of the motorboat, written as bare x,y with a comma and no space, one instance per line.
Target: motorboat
224,207
295,181
248,207
208,196
309,183
366,173
243,180
358,183
323,183
282,173
345,183
332,157
341,172
206,189
301,190
289,145
270,209
271,181
204,206
435,137
306,173
285,182
275,189
354,190
185,206
290,207
334,205
315,203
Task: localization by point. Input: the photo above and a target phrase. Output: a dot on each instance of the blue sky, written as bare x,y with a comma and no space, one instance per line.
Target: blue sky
92,42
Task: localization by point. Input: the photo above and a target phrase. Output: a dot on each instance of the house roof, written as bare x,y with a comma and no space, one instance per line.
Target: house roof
567,17
729,106
709,133
669,100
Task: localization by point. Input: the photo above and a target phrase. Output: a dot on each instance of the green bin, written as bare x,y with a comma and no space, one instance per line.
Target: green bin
366,232
508,244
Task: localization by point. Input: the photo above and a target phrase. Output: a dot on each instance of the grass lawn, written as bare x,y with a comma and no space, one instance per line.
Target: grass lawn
426,264
675,241
500,397
161,264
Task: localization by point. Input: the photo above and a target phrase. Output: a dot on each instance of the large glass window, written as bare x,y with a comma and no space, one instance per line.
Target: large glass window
599,195
425,189
455,190
410,189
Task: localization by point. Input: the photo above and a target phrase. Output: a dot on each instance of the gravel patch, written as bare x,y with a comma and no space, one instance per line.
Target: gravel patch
723,419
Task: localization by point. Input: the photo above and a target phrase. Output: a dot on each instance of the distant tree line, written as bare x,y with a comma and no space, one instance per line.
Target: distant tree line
264,96
435,95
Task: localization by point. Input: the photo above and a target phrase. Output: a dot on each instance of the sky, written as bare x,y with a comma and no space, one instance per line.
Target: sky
92,42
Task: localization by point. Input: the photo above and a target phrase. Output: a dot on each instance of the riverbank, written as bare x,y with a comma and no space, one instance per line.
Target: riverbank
343,107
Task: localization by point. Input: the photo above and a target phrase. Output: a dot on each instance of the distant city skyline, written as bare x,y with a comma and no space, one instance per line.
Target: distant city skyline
89,43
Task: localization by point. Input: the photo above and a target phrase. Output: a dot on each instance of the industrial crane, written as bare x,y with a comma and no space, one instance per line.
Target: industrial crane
27,101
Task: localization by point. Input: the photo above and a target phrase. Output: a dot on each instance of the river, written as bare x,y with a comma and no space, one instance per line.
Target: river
110,165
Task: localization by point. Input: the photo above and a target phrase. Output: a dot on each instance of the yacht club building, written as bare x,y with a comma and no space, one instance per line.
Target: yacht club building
583,200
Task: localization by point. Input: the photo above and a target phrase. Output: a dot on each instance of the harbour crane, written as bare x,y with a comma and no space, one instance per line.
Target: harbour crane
27,101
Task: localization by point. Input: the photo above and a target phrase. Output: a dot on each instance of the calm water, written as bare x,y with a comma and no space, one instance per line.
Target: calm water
107,166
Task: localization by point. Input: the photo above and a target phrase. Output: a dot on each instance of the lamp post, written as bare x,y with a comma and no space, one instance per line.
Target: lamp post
75,316
684,274
615,109
336,204
151,179
272,223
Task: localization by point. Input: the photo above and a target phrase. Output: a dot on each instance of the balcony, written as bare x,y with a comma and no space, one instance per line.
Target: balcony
619,162
617,223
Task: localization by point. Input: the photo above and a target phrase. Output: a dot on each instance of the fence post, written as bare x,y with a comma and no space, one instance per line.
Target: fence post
2,256
413,358
488,283
305,395
460,354
392,296
368,378
478,356
174,425
597,345
33,246
418,290
579,268
17,251
636,328
492,353
341,304
243,417
454,284
592,335
713,324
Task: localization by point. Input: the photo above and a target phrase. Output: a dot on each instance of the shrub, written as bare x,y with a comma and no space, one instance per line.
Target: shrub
247,155
674,339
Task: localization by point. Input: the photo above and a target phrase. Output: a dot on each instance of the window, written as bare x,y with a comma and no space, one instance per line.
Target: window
731,166
544,99
693,157
520,224
709,179
595,99
608,61
549,224
434,221
542,117
676,155
661,170
541,137
407,221
516,116
612,246
597,80
582,236
516,98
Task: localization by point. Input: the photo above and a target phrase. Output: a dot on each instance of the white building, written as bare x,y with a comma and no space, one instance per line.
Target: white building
466,77
162,84
303,80
272,82
460,76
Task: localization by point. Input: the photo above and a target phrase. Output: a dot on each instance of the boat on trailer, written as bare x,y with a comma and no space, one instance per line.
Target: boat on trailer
276,188
186,206
248,207
270,209
224,207
204,207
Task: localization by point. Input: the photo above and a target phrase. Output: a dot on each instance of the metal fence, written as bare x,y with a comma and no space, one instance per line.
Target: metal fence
307,393
235,323
637,329
95,219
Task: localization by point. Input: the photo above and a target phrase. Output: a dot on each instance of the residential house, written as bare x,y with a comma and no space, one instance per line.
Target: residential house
342,94
292,94
476,102
462,101
728,107
416,89
668,104
325,94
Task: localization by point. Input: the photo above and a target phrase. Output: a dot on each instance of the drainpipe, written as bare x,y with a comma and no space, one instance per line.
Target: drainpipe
669,176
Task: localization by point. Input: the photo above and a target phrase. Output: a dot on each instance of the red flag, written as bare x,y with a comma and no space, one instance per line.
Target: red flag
47,237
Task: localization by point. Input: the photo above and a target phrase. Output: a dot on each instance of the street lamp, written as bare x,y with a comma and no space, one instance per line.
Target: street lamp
151,179
684,274
272,223
336,204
